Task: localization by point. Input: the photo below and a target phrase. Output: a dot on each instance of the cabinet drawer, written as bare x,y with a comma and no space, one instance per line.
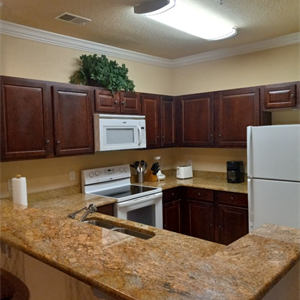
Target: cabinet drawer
171,195
199,194
233,199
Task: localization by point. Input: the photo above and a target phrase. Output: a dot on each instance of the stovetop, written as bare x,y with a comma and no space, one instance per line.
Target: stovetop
114,182
124,191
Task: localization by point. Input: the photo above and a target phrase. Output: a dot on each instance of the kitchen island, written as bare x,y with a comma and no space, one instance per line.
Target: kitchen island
166,266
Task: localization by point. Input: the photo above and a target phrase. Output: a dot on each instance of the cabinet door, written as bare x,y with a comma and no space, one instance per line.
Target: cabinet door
234,111
199,216
196,120
106,103
106,209
26,119
130,103
168,131
151,110
280,95
73,120
172,216
232,223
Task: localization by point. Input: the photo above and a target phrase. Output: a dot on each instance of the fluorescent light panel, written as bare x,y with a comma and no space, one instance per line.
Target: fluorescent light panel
192,20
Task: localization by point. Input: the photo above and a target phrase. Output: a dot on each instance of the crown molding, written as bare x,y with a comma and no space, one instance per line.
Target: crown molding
281,41
42,36
29,33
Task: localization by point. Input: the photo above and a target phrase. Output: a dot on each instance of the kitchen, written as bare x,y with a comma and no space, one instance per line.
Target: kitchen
34,59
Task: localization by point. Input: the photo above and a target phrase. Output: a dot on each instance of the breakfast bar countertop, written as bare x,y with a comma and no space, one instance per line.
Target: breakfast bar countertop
166,266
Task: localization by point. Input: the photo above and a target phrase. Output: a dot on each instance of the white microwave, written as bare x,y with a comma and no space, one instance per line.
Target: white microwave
119,132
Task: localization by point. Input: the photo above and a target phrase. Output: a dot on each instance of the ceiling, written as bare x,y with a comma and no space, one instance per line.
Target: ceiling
115,24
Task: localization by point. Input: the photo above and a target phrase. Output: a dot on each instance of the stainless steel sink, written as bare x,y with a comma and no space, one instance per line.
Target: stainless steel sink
99,223
112,227
138,234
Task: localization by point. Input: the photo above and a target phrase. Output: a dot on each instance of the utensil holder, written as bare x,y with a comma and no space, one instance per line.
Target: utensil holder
140,177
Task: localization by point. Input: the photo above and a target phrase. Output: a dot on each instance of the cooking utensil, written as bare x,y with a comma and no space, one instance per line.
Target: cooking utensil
137,164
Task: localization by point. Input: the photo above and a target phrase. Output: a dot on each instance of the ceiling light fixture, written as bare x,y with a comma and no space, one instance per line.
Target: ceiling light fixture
184,17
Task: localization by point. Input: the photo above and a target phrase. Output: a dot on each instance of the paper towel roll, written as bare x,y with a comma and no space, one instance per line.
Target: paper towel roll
19,190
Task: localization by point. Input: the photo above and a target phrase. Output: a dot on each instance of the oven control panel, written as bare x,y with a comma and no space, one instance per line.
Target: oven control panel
105,174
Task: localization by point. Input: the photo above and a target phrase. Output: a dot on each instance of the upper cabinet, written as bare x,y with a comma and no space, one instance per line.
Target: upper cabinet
40,119
234,111
73,124
160,120
26,119
196,120
151,110
278,96
168,125
120,103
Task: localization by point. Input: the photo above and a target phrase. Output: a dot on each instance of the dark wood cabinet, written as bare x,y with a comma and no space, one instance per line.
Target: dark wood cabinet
278,96
73,120
26,119
106,209
199,213
151,111
215,216
172,210
168,124
196,120
231,217
119,103
234,111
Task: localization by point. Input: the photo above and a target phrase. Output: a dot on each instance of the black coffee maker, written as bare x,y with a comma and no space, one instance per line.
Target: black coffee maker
235,172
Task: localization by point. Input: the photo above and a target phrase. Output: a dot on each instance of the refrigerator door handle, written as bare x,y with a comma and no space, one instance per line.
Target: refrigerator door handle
249,151
250,204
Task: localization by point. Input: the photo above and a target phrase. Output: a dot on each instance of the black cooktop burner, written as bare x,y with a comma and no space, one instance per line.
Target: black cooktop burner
124,191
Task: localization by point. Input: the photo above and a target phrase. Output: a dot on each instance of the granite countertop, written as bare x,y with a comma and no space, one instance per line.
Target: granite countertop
206,181
166,266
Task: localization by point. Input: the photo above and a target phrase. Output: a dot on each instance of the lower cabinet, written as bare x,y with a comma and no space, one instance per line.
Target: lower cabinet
172,210
106,209
214,216
231,217
199,213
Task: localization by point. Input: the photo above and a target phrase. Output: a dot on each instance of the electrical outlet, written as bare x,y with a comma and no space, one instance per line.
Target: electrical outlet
9,184
72,175
190,162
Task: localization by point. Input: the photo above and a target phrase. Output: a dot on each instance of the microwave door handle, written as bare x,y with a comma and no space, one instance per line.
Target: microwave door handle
140,135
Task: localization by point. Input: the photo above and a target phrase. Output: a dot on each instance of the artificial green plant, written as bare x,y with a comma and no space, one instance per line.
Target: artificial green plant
102,72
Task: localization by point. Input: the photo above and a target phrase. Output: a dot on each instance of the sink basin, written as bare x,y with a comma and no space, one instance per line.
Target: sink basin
112,227
138,234
99,223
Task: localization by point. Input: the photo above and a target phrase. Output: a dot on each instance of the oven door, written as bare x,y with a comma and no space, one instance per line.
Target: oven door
146,210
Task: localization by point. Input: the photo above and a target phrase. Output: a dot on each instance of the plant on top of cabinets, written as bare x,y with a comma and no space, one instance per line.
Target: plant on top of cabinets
102,72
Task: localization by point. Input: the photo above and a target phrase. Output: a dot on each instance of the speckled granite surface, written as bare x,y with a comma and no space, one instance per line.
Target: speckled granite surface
211,183
167,266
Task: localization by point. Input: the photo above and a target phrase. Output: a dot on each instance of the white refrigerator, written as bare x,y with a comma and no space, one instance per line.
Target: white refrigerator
273,167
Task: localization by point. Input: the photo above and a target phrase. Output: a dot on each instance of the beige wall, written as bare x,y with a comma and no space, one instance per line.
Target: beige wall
28,59
258,68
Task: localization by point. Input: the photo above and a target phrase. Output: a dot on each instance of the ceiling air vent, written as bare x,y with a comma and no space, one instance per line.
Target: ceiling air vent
70,18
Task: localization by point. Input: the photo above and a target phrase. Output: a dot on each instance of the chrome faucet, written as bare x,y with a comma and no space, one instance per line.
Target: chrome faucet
88,210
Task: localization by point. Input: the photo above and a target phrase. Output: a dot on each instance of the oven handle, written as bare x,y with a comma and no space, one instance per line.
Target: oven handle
140,200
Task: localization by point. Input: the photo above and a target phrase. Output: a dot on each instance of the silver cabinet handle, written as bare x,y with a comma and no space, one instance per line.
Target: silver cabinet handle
116,101
58,142
47,141
123,102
